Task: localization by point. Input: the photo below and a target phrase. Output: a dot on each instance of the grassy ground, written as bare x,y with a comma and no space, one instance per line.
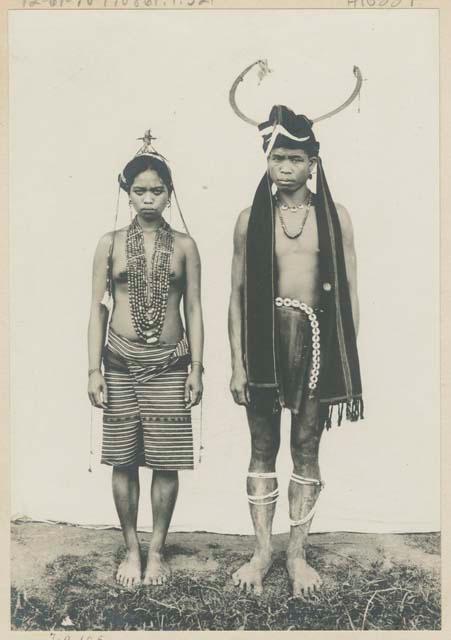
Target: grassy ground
370,582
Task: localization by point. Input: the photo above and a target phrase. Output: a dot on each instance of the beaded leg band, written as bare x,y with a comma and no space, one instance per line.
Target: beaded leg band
306,481
268,498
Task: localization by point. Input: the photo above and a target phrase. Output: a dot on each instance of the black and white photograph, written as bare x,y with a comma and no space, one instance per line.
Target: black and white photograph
224,318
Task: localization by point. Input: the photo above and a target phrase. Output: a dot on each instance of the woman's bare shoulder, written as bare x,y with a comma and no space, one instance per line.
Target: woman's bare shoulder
105,241
185,242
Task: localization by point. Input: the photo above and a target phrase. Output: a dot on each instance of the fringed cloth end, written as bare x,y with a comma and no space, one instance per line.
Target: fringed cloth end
354,411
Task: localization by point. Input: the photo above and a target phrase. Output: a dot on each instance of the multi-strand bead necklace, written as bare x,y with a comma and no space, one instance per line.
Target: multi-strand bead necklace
148,290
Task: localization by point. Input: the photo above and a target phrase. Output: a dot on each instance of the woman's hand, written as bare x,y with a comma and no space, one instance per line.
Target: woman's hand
97,390
239,387
193,388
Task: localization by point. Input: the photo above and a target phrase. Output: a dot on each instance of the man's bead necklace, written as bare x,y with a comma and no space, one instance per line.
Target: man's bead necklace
283,207
148,290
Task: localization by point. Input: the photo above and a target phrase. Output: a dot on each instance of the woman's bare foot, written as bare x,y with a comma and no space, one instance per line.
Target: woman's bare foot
251,575
129,571
305,580
157,569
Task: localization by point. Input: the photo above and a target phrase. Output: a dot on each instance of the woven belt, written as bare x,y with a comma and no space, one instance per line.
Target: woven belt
297,304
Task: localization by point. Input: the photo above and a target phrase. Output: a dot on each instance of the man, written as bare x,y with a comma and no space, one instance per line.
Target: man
293,319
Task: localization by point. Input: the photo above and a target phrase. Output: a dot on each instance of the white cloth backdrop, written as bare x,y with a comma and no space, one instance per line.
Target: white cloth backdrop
84,86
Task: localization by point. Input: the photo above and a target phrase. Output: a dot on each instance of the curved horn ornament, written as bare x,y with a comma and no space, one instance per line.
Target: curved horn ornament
264,70
347,102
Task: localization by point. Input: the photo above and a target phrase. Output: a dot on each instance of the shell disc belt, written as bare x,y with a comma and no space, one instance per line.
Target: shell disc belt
314,324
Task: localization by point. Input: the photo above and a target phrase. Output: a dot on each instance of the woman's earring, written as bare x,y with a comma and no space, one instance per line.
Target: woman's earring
309,176
131,210
168,206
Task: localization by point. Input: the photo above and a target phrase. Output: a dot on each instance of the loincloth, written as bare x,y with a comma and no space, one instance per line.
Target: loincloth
298,362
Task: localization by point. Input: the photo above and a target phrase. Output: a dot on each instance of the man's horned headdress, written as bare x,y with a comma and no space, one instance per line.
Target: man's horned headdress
283,125
264,70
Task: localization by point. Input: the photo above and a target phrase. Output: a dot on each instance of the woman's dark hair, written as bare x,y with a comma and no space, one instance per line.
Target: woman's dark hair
143,163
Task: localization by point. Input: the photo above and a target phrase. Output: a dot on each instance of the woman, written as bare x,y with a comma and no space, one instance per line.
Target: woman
145,389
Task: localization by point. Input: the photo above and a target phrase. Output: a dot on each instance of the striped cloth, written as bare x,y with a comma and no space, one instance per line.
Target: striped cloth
146,422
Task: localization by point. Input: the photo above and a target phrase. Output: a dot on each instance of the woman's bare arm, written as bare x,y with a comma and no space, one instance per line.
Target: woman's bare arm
194,322
98,319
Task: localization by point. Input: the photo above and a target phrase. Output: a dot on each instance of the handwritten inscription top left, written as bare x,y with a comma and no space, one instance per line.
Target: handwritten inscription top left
116,4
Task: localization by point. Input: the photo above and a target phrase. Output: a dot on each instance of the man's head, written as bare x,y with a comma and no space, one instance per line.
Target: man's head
290,168
290,146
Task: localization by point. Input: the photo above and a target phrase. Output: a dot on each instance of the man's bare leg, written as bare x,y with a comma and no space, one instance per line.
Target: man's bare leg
265,441
164,490
125,481
305,440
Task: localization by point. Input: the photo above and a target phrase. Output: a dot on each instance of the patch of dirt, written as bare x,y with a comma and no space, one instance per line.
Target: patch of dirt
35,546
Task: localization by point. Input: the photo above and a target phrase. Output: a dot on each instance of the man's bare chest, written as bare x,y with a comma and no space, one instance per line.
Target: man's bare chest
305,246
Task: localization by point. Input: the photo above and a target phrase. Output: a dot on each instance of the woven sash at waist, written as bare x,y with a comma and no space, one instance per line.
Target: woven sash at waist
146,361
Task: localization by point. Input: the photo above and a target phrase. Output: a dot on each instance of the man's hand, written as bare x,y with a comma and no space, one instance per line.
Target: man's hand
239,386
193,388
97,390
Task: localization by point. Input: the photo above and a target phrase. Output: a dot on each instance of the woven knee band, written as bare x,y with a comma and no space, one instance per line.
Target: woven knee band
268,498
262,474
308,517
306,481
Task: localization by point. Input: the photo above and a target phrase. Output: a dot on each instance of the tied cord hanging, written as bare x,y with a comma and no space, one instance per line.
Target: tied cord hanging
180,210
107,299
201,446
90,441
107,302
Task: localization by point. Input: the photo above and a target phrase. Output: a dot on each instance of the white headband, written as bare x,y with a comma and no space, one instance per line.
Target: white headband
275,130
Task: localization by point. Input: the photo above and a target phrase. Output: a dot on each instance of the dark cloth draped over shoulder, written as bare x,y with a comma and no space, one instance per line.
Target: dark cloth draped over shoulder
340,382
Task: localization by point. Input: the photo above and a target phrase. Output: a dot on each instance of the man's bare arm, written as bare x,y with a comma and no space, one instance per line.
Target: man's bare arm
350,261
238,384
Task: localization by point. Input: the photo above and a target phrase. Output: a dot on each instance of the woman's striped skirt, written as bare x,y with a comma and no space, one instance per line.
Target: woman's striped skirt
146,421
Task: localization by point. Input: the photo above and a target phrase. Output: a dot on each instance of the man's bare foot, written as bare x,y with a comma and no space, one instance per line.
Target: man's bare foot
157,569
251,575
305,580
129,571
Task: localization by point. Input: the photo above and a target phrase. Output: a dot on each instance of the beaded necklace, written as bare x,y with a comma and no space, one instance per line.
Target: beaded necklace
281,206
148,290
